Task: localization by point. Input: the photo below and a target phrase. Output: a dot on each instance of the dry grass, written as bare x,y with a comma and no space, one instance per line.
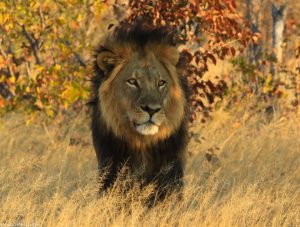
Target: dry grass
48,176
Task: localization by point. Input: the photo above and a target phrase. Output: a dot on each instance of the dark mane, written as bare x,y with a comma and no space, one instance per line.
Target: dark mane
140,34
161,161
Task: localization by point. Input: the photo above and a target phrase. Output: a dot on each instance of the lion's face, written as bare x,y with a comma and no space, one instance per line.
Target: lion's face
141,96
143,86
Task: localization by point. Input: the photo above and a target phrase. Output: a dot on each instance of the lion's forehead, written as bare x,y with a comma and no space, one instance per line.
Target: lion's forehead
147,67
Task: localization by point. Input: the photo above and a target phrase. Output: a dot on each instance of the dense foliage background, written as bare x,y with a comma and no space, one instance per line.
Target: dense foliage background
46,48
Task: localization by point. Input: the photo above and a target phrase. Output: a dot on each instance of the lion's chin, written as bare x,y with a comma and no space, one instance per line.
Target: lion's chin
147,129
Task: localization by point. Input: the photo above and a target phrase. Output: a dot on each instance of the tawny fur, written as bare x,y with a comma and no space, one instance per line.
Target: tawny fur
111,112
120,133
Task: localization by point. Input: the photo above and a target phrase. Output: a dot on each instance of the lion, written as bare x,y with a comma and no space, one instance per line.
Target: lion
139,110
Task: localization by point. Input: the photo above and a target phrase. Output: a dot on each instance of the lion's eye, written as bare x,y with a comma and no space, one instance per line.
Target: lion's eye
132,82
161,83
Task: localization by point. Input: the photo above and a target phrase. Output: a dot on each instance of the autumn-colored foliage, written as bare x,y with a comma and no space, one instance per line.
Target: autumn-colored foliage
44,46
41,48
206,31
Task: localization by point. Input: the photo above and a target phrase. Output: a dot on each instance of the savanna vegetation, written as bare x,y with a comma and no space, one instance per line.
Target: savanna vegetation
242,60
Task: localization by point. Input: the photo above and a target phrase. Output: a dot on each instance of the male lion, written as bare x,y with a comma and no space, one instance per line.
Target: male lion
139,111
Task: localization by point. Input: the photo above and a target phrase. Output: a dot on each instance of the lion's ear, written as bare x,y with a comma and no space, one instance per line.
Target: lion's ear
106,61
171,54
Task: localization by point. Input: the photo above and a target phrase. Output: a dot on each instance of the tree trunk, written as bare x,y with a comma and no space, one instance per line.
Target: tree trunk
278,15
255,49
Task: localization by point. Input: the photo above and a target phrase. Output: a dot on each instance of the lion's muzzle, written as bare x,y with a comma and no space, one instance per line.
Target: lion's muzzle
147,128
151,109
149,119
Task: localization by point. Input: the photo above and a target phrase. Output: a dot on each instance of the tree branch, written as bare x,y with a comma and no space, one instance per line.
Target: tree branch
34,43
77,55
9,68
41,16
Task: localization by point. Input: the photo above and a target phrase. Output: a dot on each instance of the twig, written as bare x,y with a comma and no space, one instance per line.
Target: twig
79,59
77,56
5,92
2,52
34,43
8,72
28,69
41,16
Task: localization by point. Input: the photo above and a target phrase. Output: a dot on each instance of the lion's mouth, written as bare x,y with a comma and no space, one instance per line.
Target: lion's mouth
150,122
147,128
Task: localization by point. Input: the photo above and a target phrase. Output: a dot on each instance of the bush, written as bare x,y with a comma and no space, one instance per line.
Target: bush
44,46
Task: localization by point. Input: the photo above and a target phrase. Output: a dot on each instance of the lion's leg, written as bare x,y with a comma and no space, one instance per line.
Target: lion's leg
108,171
110,164
108,161
168,180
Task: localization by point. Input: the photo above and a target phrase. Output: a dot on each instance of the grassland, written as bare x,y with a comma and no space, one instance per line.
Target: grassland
240,171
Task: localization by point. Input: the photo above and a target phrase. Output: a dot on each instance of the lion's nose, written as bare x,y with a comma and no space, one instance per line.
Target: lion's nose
151,108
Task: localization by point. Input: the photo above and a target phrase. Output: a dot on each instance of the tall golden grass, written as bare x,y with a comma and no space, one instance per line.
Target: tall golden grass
239,172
